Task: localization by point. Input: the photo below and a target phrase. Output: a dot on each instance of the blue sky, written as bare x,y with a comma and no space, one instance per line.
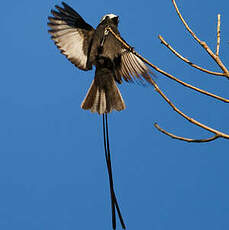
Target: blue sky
52,165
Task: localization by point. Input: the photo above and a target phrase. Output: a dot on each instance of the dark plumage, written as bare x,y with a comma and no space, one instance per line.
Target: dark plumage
85,46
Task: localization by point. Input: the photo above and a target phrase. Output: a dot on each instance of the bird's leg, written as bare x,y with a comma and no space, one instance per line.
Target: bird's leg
106,32
132,49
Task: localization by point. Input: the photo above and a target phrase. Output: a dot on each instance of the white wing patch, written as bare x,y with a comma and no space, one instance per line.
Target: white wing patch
70,42
133,67
72,35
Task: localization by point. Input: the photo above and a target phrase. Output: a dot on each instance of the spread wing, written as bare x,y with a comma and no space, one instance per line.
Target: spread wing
133,68
72,35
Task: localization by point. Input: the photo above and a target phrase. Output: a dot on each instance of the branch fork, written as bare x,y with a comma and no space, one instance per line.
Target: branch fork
215,56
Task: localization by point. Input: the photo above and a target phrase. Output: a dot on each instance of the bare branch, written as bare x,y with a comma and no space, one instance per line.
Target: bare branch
218,36
183,138
218,133
186,60
193,121
184,83
167,74
202,43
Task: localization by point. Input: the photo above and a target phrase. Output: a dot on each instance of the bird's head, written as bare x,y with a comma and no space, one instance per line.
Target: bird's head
110,17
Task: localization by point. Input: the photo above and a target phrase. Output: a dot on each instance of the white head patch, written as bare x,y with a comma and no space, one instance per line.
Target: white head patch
108,15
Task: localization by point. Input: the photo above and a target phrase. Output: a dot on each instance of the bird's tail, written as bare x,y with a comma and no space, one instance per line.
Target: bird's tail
103,95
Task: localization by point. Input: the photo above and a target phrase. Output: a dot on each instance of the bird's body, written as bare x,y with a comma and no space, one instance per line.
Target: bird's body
85,47
103,95
111,48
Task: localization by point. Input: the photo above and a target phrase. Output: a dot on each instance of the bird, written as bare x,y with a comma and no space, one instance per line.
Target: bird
86,47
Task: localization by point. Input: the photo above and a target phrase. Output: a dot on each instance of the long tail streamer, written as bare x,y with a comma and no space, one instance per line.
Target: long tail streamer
114,203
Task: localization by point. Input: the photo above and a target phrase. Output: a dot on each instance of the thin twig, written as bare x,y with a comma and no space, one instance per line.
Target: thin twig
186,60
218,36
183,138
202,43
195,122
165,73
218,133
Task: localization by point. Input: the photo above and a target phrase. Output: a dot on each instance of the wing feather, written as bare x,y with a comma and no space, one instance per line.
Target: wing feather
125,69
133,67
72,35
